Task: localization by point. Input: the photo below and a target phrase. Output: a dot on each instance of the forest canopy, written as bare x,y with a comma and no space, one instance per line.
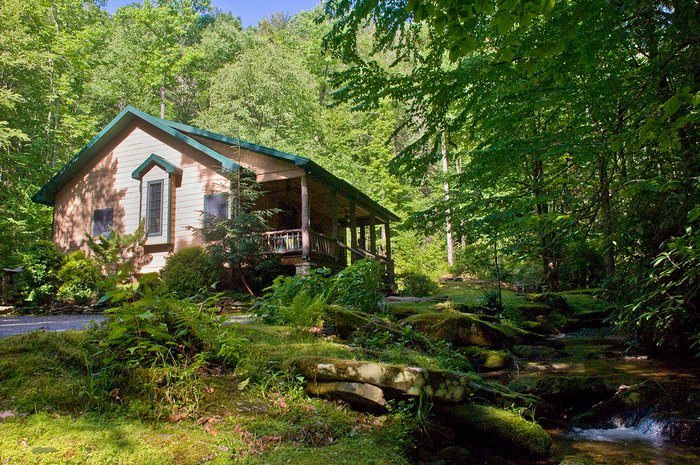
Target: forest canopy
560,135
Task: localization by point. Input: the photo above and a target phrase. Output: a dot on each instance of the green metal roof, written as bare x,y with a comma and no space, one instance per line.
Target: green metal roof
155,160
182,132
47,194
308,165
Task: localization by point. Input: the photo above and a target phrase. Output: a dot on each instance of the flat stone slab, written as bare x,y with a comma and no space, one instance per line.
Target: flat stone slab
361,396
411,381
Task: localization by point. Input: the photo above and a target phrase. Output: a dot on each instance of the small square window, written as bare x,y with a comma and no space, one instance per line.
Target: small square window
101,222
215,206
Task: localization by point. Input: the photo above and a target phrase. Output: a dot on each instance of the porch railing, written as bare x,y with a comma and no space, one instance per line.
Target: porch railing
285,241
290,241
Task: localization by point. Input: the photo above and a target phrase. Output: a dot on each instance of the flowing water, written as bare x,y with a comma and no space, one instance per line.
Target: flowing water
643,440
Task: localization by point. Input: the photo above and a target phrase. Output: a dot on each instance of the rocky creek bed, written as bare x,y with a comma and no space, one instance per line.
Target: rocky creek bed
594,403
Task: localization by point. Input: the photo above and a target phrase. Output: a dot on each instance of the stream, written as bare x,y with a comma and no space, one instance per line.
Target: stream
654,436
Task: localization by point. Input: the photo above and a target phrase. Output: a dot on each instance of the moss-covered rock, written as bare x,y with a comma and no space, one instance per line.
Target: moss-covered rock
488,359
411,381
537,352
461,329
566,393
343,321
505,431
532,310
401,381
401,311
576,460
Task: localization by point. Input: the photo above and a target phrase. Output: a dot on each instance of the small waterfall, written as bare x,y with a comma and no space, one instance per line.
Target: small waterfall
647,429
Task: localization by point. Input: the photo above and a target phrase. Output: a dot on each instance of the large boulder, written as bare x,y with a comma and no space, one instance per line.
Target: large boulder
570,394
461,329
487,359
401,381
504,431
398,380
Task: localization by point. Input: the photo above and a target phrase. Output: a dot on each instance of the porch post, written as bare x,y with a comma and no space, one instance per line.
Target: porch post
390,266
334,215
372,234
305,218
353,231
363,237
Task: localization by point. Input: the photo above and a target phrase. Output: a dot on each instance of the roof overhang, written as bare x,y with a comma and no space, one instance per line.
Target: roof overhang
47,194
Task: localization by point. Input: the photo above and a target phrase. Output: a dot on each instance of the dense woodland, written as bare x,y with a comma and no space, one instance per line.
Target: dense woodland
536,142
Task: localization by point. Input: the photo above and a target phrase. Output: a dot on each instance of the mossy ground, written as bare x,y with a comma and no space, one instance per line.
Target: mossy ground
254,414
53,416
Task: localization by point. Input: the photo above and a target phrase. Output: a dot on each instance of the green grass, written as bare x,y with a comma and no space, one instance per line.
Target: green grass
265,419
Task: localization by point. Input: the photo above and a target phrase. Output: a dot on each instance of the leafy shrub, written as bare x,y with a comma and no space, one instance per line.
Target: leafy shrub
416,284
119,253
188,270
665,316
38,282
158,343
288,292
359,286
79,276
305,310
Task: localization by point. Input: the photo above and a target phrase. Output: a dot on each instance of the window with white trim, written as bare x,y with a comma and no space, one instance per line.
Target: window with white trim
154,208
102,221
215,206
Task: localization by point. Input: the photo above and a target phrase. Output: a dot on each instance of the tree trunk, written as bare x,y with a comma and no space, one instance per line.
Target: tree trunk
448,220
609,247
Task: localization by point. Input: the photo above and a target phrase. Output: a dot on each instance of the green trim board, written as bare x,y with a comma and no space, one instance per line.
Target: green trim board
47,194
155,160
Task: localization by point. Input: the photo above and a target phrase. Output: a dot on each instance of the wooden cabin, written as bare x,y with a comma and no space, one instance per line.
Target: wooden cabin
170,174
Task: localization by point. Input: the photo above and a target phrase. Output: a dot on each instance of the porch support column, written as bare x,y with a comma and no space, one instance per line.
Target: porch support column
363,237
373,234
305,218
353,231
334,215
390,266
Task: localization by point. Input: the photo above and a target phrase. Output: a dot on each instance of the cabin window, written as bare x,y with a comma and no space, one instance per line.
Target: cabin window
154,208
215,206
101,222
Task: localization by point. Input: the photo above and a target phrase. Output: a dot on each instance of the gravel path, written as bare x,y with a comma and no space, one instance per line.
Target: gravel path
11,325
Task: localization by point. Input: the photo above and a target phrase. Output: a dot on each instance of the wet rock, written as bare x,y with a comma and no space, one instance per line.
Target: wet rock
360,396
537,352
502,430
683,430
566,393
576,460
629,403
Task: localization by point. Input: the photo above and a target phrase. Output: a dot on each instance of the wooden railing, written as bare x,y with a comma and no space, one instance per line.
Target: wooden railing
290,241
285,241
325,246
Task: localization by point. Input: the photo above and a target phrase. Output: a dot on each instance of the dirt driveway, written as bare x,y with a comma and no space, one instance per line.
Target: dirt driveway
11,325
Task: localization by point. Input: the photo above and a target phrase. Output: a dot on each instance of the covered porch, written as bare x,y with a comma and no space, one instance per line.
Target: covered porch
319,223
